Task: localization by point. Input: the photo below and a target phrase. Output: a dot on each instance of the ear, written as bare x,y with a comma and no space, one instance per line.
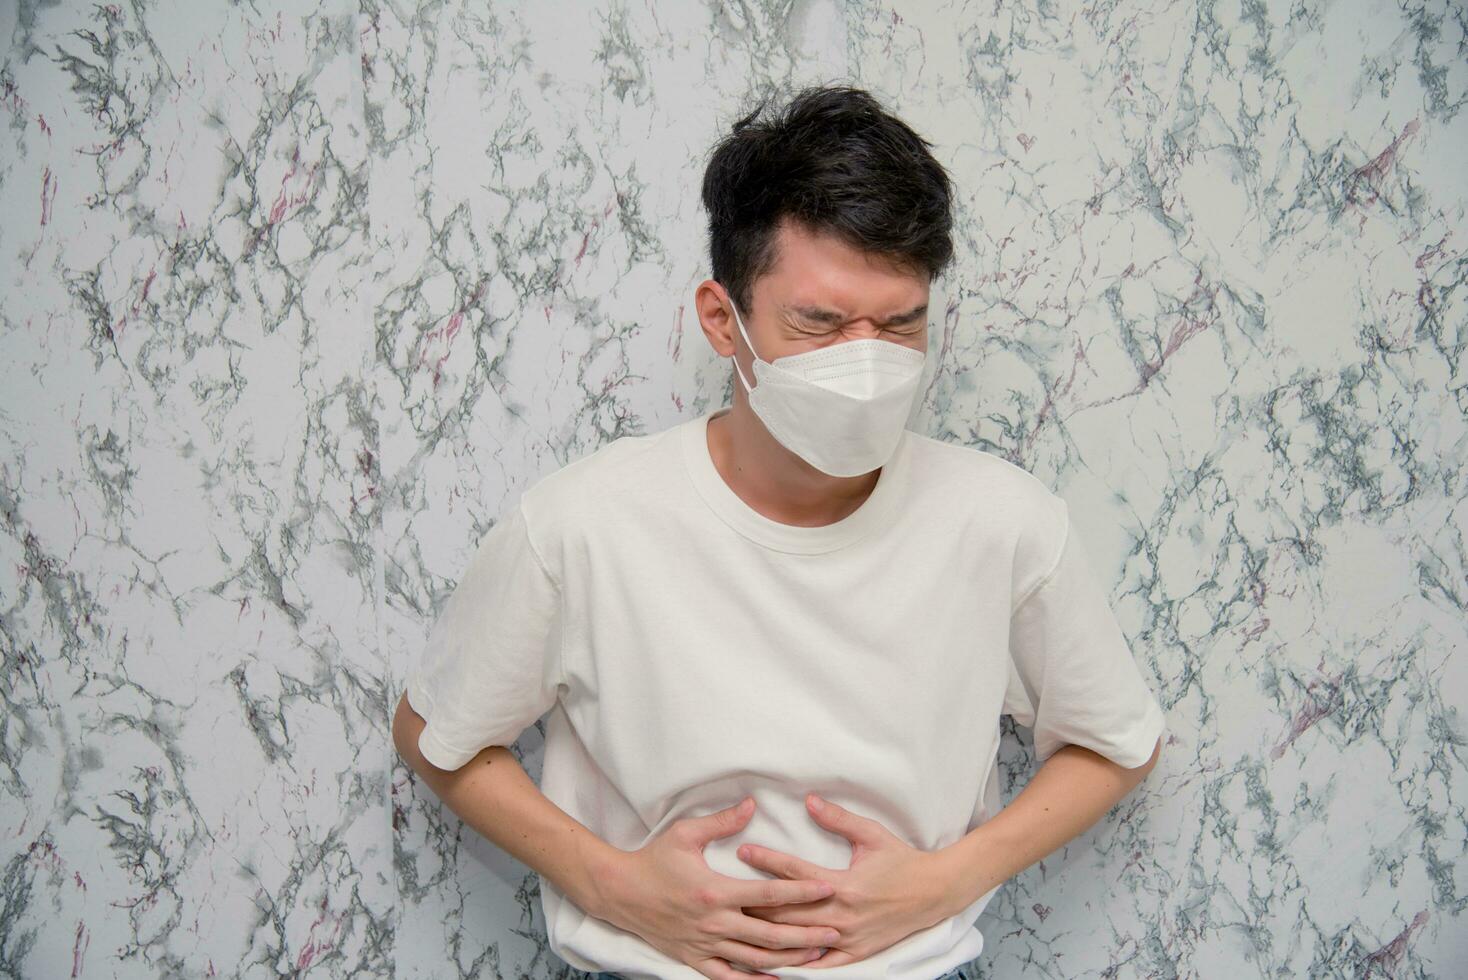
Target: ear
715,316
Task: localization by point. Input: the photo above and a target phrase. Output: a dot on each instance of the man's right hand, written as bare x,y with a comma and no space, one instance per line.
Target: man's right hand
666,893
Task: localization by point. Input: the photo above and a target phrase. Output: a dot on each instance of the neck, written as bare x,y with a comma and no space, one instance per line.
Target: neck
773,480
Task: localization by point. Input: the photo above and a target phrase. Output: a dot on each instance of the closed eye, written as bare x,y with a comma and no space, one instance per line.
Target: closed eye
816,315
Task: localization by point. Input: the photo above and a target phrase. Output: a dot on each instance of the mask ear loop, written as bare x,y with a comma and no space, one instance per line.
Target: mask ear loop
740,322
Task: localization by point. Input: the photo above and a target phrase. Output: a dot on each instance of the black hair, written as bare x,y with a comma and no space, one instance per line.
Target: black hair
837,162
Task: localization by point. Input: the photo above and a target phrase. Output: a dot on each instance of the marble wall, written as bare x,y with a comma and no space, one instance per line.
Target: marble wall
296,298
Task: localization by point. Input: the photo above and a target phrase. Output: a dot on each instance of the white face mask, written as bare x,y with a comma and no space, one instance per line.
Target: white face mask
841,408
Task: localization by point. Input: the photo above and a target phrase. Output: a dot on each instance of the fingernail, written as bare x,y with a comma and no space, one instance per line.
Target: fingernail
833,937
815,802
826,888
815,954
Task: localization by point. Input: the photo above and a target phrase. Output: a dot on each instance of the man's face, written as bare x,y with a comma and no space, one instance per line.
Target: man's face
822,291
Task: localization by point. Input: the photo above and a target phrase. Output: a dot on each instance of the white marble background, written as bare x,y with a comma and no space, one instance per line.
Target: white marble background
296,299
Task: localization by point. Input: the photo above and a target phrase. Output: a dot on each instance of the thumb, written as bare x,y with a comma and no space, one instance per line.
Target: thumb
722,823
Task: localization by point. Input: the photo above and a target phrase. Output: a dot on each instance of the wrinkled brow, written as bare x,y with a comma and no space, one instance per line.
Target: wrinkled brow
822,315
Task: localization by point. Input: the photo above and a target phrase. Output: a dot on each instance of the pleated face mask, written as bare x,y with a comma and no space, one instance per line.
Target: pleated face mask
841,408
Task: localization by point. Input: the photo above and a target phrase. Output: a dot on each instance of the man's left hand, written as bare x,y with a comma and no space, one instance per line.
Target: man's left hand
890,891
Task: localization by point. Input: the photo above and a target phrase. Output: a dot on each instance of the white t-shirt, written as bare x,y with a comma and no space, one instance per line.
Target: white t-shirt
690,651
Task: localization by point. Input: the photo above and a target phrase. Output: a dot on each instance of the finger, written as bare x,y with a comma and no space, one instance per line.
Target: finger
782,864
780,936
793,915
853,826
777,891
720,823
833,957
720,969
758,958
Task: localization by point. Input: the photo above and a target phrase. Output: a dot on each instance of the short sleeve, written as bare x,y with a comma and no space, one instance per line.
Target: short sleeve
1072,677
491,664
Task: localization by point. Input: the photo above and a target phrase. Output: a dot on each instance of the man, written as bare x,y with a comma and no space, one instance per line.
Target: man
775,640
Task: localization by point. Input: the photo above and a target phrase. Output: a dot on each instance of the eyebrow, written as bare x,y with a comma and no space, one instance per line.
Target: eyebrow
822,315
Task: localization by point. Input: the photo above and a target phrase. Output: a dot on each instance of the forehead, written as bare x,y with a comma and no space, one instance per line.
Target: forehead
816,269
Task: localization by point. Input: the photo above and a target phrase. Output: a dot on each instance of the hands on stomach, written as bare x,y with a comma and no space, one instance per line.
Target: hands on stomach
667,894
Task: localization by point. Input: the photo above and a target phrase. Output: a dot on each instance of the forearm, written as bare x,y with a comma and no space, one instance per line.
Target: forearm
1067,795
493,795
